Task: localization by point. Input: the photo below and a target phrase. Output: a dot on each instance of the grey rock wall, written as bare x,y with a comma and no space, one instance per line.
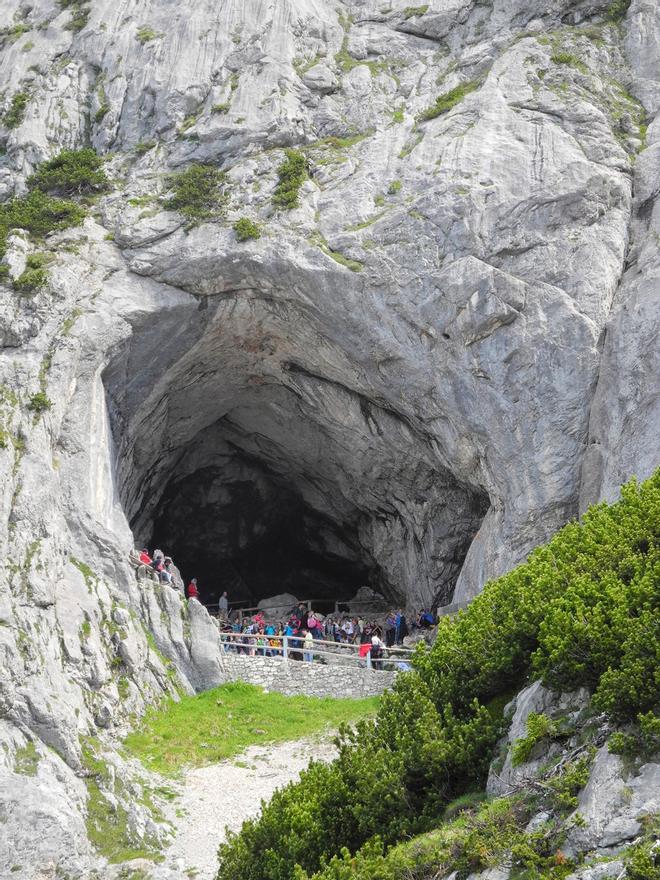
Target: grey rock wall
293,677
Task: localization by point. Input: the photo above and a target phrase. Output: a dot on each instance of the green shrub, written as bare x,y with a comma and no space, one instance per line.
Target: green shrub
71,172
79,13
643,742
569,59
617,10
34,276
246,228
102,112
643,862
38,214
445,102
394,187
143,147
484,838
197,193
292,173
415,11
578,612
146,34
15,31
566,785
221,108
539,727
39,402
16,112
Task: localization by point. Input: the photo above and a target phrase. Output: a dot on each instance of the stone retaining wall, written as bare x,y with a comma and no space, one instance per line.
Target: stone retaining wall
292,677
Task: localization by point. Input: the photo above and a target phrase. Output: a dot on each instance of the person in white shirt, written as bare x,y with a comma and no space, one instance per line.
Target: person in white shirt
308,644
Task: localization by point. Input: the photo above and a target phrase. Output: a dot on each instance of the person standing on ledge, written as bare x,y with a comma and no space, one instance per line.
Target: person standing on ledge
193,592
223,605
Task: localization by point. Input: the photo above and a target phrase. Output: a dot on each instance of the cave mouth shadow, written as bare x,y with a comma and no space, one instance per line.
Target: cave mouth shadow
255,538
237,454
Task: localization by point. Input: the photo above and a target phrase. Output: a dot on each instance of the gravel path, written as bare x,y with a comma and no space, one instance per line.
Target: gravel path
222,795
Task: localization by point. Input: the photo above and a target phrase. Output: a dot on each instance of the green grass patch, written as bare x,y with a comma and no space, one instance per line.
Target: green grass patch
143,147
569,60
354,265
415,11
445,102
107,821
26,761
366,223
339,143
224,721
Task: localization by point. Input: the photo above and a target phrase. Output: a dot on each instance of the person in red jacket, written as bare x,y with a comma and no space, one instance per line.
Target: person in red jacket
144,556
193,592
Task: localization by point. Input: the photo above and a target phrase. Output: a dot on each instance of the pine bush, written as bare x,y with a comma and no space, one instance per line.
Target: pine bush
582,610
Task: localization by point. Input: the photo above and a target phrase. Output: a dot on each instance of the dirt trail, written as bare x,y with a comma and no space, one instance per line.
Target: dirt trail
212,799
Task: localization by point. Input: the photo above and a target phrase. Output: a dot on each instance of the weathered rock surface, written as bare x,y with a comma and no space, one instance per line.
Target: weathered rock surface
419,424
537,699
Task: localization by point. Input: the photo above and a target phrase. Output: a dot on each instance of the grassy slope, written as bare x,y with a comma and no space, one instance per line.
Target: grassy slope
224,721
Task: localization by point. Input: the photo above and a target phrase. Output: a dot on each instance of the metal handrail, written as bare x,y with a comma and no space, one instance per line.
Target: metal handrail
350,645
251,641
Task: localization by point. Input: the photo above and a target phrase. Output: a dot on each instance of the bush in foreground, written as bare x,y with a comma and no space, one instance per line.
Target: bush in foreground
577,612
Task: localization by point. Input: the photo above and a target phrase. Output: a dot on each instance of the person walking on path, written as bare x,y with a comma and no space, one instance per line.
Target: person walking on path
223,604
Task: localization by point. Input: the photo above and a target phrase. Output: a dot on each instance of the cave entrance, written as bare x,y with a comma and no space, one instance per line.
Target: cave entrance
237,527
247,447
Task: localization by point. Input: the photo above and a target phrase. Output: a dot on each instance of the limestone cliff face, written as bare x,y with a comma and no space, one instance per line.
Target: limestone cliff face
446,349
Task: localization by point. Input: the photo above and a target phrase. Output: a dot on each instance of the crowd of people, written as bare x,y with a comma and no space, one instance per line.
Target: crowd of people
302,626
162,566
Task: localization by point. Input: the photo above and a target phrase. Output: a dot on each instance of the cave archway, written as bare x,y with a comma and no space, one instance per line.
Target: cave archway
249,453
